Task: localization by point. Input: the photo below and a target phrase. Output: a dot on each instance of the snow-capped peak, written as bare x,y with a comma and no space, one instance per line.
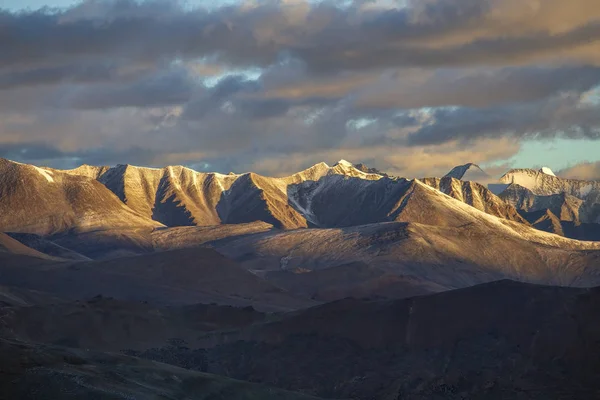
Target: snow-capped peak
345,163
468,172
547,171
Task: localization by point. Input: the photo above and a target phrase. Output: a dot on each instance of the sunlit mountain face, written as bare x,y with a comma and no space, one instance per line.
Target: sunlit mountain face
410,87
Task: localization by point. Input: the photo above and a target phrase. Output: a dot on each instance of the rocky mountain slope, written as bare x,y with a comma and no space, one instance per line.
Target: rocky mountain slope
543,182
321,196
356,280
565,206
575,203
447,256
15,297
179,196
545,220
475,195
45,201
369,170
581,197
391,260
47,247
11,246
184,276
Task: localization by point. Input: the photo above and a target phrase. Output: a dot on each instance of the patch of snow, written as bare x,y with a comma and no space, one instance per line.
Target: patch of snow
345,163
222,176
174,178
44,173
584,191
225,182
547,171
151,169
306,211
521,178
346,168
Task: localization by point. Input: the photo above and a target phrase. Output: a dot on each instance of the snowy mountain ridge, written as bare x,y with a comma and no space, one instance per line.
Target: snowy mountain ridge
321,196
544,182
47,201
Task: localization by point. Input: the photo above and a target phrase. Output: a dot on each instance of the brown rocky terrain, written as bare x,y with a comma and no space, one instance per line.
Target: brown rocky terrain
35,371
498,340
185,276
44,201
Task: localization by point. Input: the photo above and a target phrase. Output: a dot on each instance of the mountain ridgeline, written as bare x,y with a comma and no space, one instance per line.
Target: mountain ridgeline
566,207
50,202
46,201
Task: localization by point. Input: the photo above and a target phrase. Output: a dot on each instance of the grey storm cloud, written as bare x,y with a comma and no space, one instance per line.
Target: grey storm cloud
211,99
169,87
30,151
43,153
563,116
328,38
114,81
479,87
57,74
245,100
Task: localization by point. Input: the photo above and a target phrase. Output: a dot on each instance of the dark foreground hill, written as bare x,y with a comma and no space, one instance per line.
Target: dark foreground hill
41,372
501,340
184,276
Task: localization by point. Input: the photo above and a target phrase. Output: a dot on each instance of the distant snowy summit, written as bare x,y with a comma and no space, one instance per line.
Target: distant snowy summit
544,182
469,172
547,171
473,172
571,200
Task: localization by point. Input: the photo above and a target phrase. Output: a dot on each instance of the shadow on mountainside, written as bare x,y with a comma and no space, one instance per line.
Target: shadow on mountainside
341,201
244,202
493,341
170,211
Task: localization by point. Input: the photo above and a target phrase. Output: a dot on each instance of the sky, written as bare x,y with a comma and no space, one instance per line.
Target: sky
411,87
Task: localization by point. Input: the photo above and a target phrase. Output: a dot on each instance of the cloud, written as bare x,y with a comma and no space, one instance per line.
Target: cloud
563,115
169,87
585,171
414,90
48,155
476,88
328,38
57,74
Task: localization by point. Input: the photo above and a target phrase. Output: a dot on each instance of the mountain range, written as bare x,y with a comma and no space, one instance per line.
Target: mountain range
321,196
359,284
566,207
